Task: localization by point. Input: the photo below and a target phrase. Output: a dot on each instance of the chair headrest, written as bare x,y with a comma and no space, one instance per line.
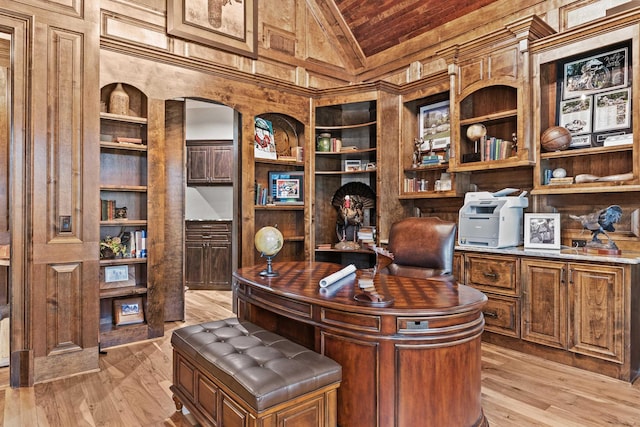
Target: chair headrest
426,242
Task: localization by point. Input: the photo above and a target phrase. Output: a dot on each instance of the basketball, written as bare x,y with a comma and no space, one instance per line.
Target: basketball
555,138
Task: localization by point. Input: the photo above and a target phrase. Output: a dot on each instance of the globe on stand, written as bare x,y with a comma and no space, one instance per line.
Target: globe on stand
268,242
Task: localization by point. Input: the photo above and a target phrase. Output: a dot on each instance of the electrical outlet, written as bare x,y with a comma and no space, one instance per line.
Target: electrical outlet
578,243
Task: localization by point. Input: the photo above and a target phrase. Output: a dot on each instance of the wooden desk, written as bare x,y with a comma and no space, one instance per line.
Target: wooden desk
416,362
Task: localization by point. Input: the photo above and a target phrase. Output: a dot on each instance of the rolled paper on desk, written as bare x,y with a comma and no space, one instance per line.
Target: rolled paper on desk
340,274
332,289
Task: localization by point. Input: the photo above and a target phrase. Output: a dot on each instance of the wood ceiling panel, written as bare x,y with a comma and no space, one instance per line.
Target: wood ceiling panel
379,25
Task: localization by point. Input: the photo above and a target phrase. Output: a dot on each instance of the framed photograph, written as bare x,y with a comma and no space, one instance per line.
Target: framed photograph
128,311
226,25
434,121
352,165
286,187
117,276
580,141
542,231
612,110
575,115
607,69
264,143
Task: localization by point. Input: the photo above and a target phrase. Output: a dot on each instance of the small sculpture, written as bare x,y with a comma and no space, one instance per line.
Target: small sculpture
350,201
417,152
600,222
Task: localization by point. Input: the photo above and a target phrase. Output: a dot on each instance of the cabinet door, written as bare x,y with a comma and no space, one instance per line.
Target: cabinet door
219,265
596,304
195,264
222,164
544,302
198,161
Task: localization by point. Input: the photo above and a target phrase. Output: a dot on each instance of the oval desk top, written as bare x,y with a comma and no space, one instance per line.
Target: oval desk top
300,280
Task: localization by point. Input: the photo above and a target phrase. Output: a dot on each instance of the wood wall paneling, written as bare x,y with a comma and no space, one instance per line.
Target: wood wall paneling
174,308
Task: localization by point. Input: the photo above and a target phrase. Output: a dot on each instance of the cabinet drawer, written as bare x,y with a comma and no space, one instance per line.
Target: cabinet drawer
208,227
502,315
193,236
497,274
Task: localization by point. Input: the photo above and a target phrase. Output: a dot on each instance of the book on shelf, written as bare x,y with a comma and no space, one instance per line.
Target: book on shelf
107,210
128,140
561,181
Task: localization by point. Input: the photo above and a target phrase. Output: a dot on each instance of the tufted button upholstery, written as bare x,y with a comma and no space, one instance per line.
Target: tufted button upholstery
261,367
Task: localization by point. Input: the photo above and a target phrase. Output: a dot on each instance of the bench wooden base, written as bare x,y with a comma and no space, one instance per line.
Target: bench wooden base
213,404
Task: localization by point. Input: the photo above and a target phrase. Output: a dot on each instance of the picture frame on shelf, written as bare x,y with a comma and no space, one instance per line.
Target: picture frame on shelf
117,276
352,165
603,69
264,143
286,187
612,110
542,231
575,115
434,125
128,311
230,26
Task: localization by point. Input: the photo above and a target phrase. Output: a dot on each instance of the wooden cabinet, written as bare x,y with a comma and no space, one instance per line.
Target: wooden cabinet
499,277
573,309
574,306
355,125
209,162
288,216
607,107
208,255
489,87
124,195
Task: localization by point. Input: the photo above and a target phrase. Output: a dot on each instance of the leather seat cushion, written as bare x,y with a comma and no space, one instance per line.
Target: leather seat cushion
262,368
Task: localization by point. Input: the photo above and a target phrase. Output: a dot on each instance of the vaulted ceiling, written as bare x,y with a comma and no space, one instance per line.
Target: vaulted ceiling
380,24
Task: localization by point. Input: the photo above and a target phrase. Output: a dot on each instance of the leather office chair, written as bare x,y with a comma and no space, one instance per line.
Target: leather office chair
421,247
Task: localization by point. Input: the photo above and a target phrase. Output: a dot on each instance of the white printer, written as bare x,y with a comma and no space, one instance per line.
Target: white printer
493,220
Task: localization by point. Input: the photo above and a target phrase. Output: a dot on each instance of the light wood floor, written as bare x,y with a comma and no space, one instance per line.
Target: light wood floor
132,388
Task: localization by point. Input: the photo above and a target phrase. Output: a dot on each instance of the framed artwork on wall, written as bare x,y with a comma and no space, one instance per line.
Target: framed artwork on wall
230,25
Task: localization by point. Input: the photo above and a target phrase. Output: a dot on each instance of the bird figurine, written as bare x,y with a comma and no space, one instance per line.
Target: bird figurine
600,222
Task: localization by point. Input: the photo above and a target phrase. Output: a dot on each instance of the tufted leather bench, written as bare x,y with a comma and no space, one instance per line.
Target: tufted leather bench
231,372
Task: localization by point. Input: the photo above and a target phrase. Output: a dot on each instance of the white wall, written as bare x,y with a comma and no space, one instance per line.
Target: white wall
207,121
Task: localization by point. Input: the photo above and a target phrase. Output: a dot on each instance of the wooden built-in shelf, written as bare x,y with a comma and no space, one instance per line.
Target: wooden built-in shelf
125,146
140,289
344,172
345,152
123,118
122,261
125,223
132,188
501,115
280,207
592,151
340,127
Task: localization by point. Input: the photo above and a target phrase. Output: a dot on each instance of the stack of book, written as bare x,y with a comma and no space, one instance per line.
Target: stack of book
367,234
432,159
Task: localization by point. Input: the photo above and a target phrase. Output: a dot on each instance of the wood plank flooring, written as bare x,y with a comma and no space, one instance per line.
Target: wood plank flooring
132,388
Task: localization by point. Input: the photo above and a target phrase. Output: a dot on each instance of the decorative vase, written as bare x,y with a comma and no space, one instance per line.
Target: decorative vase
324,142
119,101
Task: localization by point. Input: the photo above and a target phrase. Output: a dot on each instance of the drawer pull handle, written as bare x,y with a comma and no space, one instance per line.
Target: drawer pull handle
490,314
491,275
